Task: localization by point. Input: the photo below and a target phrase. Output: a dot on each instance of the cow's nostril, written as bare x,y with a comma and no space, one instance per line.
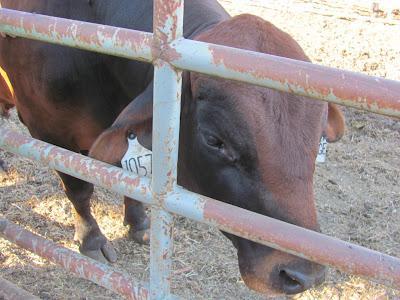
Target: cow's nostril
290,284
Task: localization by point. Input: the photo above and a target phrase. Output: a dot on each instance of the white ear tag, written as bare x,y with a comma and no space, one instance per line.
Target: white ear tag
137,158
323,145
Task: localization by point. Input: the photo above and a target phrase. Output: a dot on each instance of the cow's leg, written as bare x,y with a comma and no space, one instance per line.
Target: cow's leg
92,242
137,220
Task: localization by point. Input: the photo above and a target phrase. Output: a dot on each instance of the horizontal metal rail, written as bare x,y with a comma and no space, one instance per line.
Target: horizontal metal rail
298,241
373,94
83,35
347,88
9,291
76,263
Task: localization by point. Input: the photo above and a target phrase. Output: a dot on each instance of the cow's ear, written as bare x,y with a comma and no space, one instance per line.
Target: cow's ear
335,125
135,119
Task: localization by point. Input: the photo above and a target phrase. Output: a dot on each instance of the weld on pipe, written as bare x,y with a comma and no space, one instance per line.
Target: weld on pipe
373,94
298,241
78,264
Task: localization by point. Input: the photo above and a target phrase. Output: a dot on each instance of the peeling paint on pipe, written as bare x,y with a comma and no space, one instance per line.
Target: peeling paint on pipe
298,241
83,35
77,165
314,246
373,94
76,263
167,26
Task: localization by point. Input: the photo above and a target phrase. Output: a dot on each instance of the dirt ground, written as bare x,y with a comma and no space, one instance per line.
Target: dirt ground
357,190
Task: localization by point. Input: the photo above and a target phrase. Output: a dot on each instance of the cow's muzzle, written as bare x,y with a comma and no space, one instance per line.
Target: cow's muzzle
293,281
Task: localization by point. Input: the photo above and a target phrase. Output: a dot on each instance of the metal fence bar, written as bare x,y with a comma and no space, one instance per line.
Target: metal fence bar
311,245
76,263
83,35
168,25
373,94
77,165
9,291
347,88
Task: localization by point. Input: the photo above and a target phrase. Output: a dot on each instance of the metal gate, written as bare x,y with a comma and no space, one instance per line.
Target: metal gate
171,53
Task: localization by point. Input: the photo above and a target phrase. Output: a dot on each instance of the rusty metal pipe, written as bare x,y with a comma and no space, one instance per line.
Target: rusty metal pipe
76,263
9,291
311,245
373,94
83,35
77,165
167,26
298,241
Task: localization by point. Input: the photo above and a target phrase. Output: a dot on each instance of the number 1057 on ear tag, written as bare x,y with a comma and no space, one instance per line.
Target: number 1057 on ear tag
137,158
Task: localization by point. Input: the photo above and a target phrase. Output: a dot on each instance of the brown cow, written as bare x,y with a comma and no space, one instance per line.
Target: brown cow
249,146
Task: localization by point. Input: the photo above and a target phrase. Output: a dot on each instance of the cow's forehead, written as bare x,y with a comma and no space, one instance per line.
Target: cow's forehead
249,97
281,122
224,89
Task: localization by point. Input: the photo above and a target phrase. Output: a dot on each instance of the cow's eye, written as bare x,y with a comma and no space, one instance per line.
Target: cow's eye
214,142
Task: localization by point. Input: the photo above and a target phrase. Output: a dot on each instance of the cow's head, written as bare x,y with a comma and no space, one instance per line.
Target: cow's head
249,146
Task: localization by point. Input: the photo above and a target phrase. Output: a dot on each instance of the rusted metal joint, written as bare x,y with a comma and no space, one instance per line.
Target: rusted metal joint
168,28
163,51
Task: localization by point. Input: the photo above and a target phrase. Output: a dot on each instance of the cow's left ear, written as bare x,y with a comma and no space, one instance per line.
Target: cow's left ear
335,126
137,119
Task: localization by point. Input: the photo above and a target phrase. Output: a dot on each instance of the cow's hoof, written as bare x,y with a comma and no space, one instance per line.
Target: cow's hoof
105,254
94,244
140,236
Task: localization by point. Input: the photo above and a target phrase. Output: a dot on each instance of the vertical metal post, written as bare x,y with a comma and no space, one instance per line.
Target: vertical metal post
168,26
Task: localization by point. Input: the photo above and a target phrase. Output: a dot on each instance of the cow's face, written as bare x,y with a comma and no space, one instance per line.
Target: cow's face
255,148
248,146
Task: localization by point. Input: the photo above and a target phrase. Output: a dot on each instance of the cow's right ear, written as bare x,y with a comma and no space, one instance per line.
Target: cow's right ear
335,126
137,119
